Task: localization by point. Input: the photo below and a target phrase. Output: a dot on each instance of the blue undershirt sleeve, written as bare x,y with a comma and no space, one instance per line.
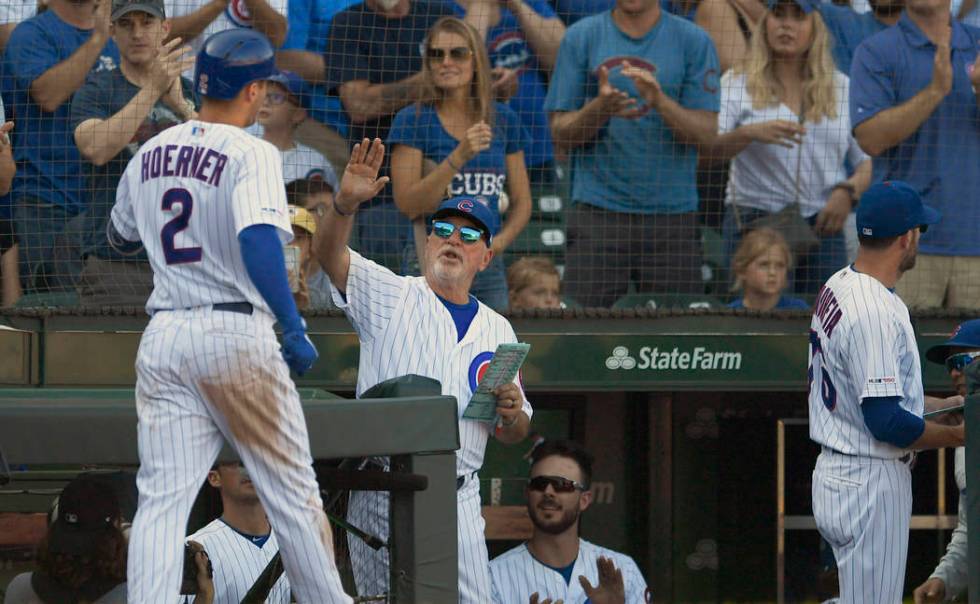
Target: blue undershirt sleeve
889,422
266,266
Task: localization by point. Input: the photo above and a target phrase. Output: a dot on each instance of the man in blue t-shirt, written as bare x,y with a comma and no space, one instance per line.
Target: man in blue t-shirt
635,90
47,59
914,109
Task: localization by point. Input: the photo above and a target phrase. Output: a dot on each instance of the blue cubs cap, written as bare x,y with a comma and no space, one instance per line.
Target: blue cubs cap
295,85
966,335
806,6
476,209
892,208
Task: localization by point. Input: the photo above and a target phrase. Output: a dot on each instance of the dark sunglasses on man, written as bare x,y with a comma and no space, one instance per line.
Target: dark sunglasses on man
468,235
960,360
557,483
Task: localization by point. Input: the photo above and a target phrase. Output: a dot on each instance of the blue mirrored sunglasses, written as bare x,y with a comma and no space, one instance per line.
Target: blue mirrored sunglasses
445,230
961,360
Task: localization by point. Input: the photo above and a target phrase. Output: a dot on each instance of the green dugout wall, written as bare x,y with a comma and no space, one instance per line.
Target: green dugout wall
680,409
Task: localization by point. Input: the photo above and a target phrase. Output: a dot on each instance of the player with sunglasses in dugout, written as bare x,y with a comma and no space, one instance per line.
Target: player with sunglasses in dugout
949,579
556,564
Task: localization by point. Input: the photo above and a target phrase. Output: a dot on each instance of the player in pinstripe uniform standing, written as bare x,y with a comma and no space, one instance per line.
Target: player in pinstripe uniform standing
241,542
866,400
206,200
429,326
949,578
556,564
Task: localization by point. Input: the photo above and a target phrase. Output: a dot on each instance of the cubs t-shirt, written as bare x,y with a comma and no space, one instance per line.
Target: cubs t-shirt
636,164
483,176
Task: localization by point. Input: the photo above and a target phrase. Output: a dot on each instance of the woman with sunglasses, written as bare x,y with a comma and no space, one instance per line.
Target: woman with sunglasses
472,145
784,124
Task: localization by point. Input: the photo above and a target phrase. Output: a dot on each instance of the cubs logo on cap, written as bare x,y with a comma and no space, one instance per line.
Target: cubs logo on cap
472,208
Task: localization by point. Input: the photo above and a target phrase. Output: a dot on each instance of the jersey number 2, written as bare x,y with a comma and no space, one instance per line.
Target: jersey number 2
827,391
172,253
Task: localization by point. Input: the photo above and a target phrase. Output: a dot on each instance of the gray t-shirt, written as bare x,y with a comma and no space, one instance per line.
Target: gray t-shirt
20,592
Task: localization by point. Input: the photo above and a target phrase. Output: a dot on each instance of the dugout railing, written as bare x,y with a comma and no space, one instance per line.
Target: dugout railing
41,427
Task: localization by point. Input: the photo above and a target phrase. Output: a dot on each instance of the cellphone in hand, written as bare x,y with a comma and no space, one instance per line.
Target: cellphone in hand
188,585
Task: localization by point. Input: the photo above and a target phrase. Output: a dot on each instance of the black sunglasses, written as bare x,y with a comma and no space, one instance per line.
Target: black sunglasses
456,53
960,360
558,483
445,230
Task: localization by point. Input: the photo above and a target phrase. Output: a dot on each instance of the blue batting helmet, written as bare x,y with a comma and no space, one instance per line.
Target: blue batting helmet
230,60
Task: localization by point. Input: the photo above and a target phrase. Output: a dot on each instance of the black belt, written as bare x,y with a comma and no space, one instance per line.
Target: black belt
461,480
906,459
242,308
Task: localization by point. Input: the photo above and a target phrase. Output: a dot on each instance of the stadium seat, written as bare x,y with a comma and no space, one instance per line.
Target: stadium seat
48,300
654,301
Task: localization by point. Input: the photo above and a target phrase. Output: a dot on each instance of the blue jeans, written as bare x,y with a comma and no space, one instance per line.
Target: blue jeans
811,270
489,286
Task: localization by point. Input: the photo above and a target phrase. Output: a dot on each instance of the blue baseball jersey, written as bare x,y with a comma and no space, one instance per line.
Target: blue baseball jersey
636,164
940,159
508,47
483,176
48,163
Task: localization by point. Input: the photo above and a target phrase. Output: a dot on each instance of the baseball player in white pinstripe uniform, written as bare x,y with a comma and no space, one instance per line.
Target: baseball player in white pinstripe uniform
429,326
556,565
950,577
241,542
866,400
206,200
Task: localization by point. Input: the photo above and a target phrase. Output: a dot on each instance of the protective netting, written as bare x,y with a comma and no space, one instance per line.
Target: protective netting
626,156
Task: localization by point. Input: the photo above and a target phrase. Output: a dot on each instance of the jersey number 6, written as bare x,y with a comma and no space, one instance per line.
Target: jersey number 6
172,253
827,391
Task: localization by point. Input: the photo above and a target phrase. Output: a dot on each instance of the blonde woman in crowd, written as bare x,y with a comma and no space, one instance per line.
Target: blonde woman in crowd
784,124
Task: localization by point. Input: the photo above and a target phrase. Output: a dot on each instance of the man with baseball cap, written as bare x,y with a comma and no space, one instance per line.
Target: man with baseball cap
866,400
112,115
949,579
429,326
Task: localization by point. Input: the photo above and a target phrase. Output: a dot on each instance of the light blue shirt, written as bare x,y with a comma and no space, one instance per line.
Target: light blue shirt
636,165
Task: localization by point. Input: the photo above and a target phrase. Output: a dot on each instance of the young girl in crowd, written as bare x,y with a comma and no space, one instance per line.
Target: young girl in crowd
760,266
534,283
475,144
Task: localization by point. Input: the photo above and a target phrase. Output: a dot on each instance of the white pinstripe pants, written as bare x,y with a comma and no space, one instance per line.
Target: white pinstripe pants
863,507
369,511
204,376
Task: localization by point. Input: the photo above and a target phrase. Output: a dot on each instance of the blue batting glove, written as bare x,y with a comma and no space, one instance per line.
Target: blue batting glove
298,351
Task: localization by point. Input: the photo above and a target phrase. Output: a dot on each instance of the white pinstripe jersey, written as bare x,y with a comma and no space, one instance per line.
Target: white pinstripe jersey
186,195
405,329
236,14
238,562
861,345
516,574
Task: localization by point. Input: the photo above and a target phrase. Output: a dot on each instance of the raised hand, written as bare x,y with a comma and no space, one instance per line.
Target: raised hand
360,181
171,60
102,12
477,138
610,589
645,82
612,100
942,67
776,132
504,83
5,134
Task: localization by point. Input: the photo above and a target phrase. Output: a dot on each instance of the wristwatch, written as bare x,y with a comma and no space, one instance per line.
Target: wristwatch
851,190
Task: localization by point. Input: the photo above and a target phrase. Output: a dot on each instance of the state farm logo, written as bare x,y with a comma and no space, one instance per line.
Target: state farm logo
620,359
696,358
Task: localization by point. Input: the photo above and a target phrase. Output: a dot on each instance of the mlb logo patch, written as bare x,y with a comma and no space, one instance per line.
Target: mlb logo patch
197,131
867,231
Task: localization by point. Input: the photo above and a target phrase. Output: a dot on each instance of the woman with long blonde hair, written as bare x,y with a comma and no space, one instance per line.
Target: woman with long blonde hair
784,124
462,142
